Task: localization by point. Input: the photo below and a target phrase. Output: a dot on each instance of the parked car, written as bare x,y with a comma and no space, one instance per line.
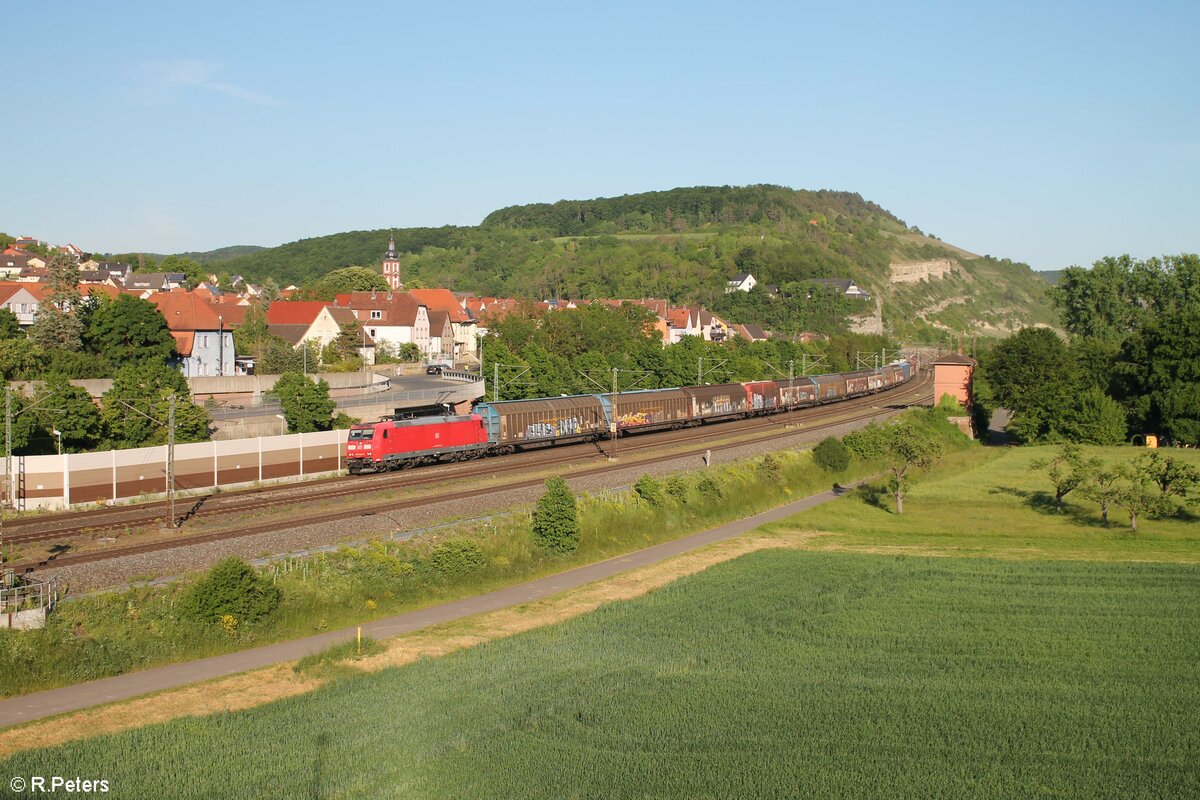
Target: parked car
434,369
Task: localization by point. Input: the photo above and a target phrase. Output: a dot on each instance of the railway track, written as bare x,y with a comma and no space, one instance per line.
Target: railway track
94,522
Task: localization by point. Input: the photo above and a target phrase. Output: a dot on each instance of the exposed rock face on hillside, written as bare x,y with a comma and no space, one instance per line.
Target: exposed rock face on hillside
914,271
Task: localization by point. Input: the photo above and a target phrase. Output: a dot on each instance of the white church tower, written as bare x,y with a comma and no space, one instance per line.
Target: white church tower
391,266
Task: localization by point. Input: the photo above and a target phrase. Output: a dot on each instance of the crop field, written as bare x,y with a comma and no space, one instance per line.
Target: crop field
783,673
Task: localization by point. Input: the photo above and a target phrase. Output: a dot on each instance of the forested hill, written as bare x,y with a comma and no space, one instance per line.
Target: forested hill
682,209
683,245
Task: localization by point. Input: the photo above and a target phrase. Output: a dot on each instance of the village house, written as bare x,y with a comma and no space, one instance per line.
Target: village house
846,286
742,282
203,339
463,325
391,319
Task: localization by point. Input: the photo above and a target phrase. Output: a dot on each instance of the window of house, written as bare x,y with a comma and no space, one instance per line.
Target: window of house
372,333
376,314
204,341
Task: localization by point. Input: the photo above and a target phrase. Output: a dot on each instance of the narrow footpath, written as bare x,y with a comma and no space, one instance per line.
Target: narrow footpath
30,707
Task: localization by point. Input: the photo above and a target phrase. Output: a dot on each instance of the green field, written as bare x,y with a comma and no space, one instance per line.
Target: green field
780,674
990,501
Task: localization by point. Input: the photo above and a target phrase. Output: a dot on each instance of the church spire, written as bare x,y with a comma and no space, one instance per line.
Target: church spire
391,265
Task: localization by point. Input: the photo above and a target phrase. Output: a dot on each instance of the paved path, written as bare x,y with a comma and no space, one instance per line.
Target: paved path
26,708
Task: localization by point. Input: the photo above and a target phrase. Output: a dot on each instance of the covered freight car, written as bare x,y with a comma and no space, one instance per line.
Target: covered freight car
763,396
511,423
830,387
718,401
650,409
797,392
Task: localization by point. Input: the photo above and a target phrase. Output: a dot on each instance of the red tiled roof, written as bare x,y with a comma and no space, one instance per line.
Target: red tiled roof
440,300
399,309
293,312
184,311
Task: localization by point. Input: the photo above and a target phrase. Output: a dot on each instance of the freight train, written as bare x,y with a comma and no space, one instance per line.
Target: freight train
500,428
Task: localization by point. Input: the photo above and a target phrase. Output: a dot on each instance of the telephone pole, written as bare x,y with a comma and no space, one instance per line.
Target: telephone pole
171,459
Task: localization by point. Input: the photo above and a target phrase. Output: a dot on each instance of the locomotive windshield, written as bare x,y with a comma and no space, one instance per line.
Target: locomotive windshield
361,433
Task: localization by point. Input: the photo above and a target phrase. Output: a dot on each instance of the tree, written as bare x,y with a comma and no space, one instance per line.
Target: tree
1138,496
231,589
306,405
904,447
10,328
1094,418
346,345
1173,478
349,279
277,357
831,455
1067,470
136,408
1031,374
68,409
130,329
1103,489
55,328
192,270
555,525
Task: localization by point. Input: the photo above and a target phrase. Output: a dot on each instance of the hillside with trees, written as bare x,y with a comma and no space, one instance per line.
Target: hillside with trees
683,245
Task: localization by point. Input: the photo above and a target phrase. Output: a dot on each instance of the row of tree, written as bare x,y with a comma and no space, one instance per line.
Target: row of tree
1131,365
535,353
1151,485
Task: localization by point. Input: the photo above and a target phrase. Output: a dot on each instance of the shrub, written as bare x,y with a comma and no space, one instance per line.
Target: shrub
709,489
831,455
648,491
677,488
457,556
231,589
555,523
864,443
769,469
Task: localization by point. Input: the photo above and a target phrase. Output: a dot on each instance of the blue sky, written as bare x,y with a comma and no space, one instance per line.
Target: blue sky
1052,133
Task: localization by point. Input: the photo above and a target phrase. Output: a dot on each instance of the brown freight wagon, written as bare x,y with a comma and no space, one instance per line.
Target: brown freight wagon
653,408
863,382
830,387
721,400
543,421
797,392
763,396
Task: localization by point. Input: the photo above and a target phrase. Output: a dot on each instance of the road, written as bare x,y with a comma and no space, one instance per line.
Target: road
26,708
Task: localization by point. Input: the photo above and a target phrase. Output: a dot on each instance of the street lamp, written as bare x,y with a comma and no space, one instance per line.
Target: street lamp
58,433
282,419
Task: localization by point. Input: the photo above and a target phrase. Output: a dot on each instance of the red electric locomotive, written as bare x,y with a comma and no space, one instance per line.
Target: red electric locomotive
393,444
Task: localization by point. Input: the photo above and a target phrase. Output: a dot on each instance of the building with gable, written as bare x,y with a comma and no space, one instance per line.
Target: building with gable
203,340
391,319
464,327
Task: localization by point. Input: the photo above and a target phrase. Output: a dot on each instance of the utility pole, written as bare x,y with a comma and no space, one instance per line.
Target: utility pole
171,459
8,482
496,381
614,414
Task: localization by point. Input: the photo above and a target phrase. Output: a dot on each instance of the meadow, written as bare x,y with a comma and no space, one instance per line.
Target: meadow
783,673
992,501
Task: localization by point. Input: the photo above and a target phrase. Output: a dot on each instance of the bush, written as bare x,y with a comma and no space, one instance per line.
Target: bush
456,557
231,590
864,443
677,488
832,455
648,491
709,489
555,524
769,469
